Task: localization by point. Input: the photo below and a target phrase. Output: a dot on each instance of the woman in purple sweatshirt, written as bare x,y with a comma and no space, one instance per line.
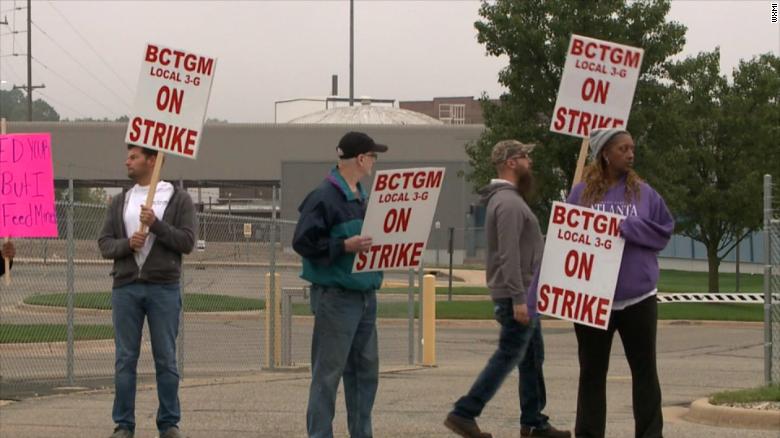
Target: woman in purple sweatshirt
611,184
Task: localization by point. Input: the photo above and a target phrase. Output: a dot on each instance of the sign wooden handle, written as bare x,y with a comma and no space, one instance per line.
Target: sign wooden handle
153,184
580,162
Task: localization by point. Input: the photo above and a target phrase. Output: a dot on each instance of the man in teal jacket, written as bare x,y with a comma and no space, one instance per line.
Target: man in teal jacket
344,341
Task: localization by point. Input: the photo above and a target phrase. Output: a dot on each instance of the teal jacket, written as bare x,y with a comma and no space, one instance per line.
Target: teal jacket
329,215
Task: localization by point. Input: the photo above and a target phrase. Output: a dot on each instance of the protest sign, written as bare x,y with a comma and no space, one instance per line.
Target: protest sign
597,88
399,216
171,100
580,266
26,186
170,105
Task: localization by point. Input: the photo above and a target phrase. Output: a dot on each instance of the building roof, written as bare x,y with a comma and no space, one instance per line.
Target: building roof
366,114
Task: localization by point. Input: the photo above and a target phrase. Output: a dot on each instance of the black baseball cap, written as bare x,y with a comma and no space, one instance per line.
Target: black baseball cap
354,143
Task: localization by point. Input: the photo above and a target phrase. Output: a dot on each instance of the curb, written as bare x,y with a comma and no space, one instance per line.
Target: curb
723,416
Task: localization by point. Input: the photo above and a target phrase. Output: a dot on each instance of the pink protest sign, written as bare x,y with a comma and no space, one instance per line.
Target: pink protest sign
26,186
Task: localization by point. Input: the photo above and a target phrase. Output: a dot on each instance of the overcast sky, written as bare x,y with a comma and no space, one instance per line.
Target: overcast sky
88,53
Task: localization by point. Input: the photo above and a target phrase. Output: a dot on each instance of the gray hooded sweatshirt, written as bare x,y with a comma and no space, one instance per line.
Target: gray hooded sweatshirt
515,242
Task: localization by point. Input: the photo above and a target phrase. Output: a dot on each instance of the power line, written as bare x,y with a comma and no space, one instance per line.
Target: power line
75,30
15,8
72,85
125,102
10,66
61,104
13,35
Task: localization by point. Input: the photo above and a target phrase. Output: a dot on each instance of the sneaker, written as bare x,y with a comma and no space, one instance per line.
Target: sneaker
121,432
172,432
464,427
548,431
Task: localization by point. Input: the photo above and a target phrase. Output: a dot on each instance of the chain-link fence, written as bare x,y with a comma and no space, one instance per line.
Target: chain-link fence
469,247
771,282
55,316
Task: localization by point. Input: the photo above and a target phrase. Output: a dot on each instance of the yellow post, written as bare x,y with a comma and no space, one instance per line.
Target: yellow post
429,321
276,342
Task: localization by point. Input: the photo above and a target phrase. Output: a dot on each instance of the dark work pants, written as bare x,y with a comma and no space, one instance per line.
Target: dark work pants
637,326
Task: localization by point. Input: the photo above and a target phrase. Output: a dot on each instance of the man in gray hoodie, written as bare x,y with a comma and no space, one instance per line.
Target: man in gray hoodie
146,245
514,253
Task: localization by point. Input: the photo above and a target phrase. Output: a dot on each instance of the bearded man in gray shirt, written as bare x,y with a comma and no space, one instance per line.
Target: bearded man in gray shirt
514,254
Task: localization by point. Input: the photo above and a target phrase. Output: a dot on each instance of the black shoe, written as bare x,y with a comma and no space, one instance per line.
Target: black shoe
122,432
464,427
548,432
172,432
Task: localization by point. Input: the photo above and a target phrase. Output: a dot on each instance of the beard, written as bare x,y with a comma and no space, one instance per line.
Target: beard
525,181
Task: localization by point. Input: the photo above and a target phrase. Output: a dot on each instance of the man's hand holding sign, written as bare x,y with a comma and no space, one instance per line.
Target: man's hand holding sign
358,244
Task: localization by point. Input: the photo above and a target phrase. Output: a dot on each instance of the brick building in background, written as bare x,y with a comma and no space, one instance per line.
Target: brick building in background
465,110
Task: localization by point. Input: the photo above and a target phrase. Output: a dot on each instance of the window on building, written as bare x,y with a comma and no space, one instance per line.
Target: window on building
452,113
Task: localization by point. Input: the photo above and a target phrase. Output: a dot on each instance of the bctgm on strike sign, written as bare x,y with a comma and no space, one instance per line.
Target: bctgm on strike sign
581,263
597,86
171,100
399,216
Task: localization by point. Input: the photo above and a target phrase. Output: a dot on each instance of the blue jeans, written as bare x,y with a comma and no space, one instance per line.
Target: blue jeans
533,394
519,346
344,344
160,304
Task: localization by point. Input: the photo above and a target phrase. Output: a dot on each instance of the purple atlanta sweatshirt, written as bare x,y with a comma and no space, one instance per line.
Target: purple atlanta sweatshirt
647,228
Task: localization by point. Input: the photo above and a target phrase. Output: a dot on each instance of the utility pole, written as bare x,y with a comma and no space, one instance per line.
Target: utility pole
4,21
351,52
29,86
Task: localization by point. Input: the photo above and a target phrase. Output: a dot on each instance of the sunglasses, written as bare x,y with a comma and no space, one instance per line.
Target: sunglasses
520,156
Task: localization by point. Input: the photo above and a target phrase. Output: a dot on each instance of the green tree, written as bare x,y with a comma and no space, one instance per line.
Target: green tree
711,146
13,107
534,35
123,118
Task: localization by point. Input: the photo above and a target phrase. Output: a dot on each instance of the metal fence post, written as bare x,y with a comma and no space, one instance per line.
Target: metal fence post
271,304
450,249
70,286
420,274
767,279
182,327
410,317
286,328
180,341
436,228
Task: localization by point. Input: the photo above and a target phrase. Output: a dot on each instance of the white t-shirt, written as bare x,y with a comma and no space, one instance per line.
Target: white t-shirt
501,180
622,304
134,199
